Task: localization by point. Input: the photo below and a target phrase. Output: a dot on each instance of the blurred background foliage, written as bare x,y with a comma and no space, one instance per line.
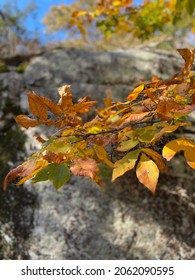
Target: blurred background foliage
98,24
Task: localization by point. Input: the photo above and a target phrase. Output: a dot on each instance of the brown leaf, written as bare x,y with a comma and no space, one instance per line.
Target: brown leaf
12,175
188,56
51,106
134,117
65,97
27,122
37,107
86,167
25,171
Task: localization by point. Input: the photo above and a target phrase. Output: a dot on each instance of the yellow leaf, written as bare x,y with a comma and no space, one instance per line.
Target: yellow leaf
147,172
125,164
157,158
94,129
166,129
177,145
127,145
134,94
102,155
80,13
190,156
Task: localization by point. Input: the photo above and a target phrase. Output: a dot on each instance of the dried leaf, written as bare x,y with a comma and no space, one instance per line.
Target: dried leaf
27,122
134,94
37,107
188,56
26,170
65,97
134,117
86,167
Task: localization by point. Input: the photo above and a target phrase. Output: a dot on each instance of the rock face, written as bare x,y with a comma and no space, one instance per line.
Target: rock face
80,221
94,73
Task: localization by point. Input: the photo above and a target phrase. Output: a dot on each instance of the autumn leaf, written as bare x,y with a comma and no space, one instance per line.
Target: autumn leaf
157,158
65,100
125,164
37,107
127,145
188,56
27,122
177,145
58,174
133,117
147,172
134,94
166,129
86,167
190,156
25,171
102,155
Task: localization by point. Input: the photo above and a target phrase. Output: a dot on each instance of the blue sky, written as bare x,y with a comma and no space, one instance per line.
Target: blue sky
43,6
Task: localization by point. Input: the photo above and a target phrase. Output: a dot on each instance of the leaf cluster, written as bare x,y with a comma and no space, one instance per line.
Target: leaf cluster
115,17
131,129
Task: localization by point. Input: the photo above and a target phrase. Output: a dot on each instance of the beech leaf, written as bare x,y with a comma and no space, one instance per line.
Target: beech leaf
127,145
177,145
147,172
86,167
157,158
125,164
134,94
58,174
37,107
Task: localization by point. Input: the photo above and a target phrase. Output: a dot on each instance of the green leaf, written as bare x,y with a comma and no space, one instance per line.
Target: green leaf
190,6
59,174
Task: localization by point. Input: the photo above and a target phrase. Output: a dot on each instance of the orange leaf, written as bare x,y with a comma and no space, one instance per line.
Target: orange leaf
37,107
188,56
27,122
134,117
190,157
134,94
157,158
177,145
86,167
25,170
51,106
147,172
65,97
